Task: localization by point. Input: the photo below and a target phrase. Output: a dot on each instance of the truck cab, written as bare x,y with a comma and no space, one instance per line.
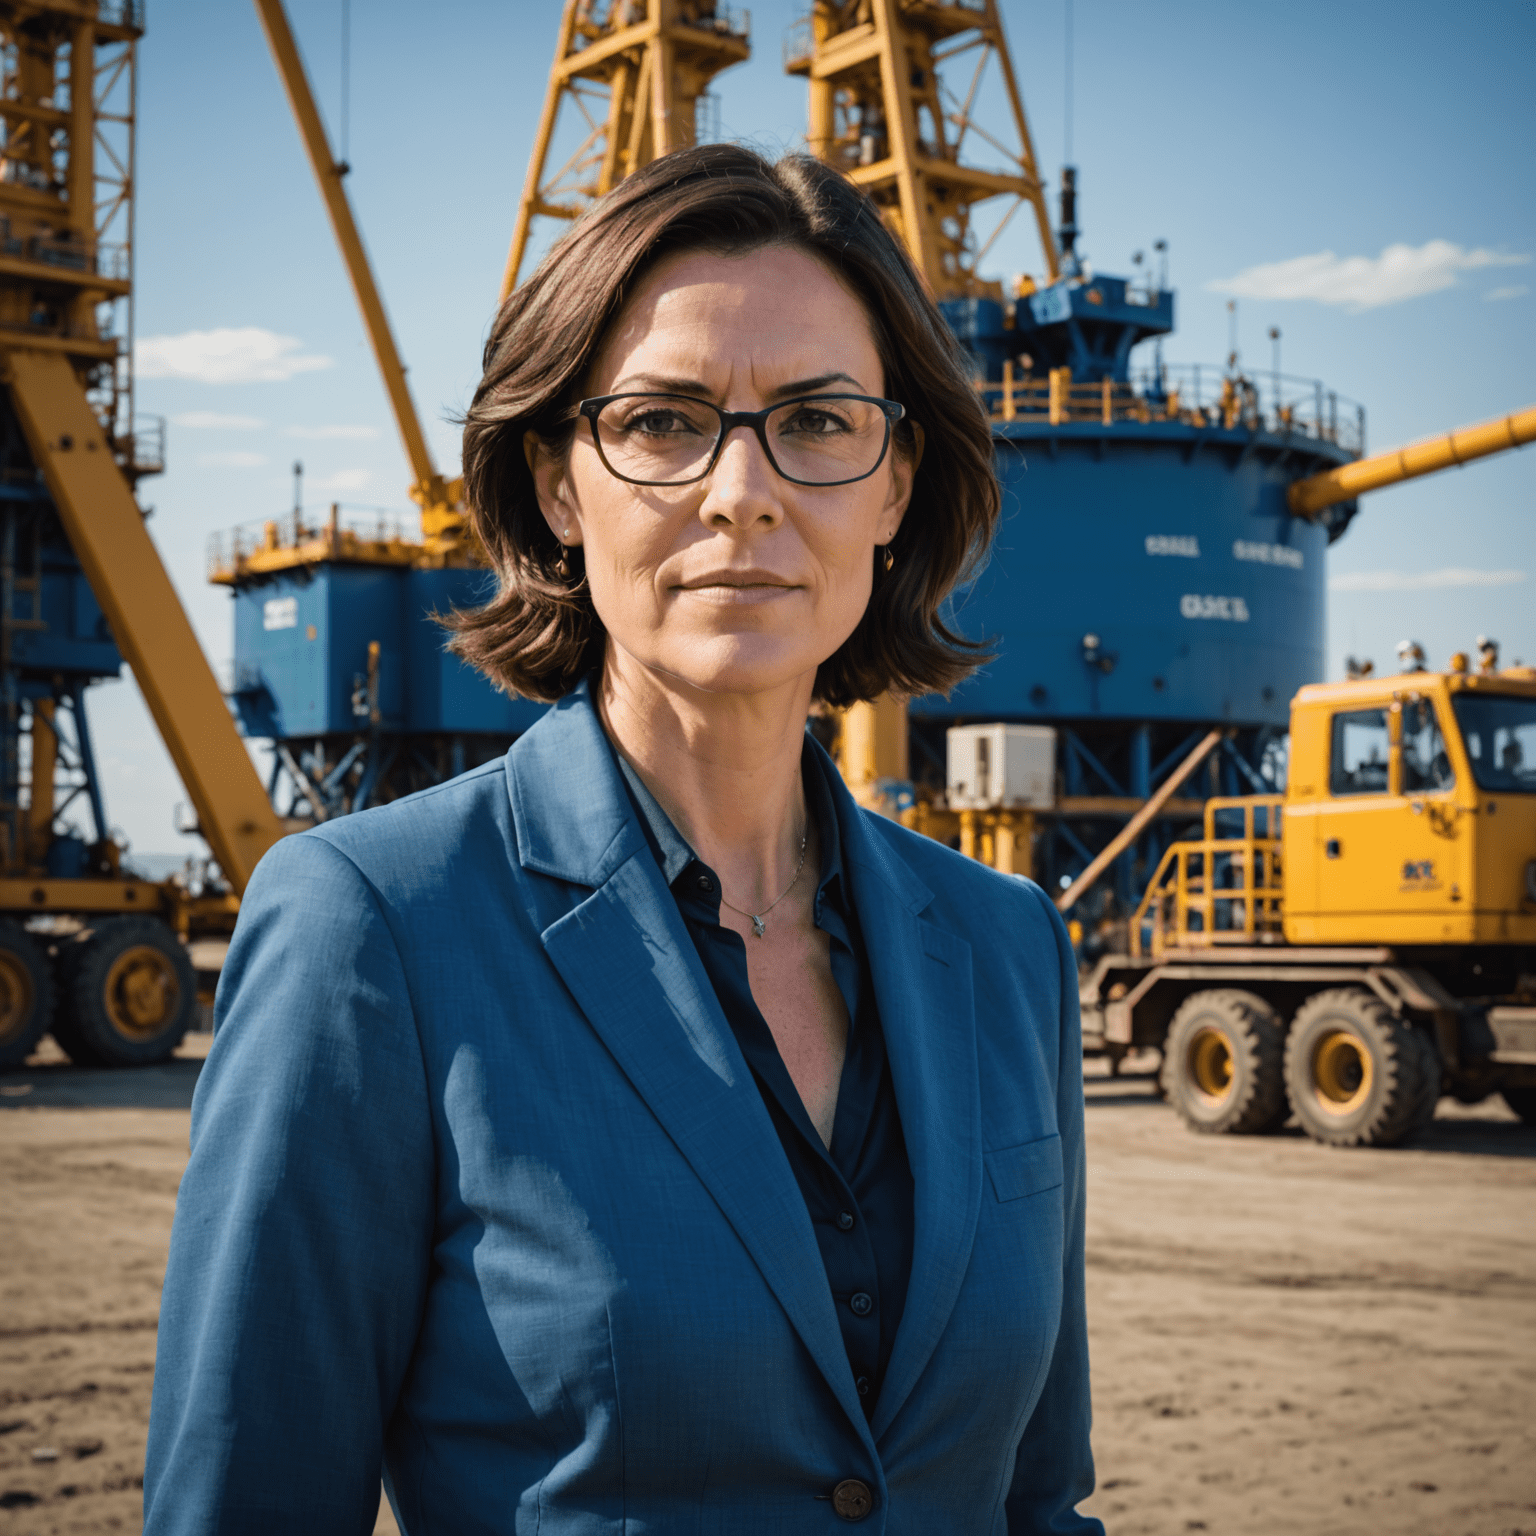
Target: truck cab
1410,815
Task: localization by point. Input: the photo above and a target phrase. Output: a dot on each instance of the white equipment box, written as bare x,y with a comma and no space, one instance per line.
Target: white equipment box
1000,767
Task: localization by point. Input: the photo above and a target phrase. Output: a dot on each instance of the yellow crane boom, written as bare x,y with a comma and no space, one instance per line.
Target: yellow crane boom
441,522
1306,498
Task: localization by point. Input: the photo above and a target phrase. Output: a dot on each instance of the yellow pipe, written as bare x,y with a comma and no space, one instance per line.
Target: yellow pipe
1310,496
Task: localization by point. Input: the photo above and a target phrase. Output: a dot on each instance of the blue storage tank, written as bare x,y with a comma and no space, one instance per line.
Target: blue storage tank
342,667
1146,571
1148,581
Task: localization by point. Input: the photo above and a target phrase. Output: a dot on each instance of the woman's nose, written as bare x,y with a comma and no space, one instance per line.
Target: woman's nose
742,489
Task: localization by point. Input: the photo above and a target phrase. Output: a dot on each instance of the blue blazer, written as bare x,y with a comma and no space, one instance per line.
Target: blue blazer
481,1188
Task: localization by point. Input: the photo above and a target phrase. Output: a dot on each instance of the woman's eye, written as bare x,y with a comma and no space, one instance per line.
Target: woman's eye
660,423
815,422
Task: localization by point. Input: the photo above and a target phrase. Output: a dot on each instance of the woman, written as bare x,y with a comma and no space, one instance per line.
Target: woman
634,1134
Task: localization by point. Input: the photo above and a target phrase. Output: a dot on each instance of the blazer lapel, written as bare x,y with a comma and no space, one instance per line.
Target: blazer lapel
627,959
923,984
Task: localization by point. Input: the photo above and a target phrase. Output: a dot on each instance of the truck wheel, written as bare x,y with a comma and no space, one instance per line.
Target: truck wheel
26,994
129,993
1522,1100
1357,1074
1222,1064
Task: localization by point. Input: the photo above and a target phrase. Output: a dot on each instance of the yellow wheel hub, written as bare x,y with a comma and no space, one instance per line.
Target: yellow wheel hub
16,997
1341,1072
142,993
1210,1062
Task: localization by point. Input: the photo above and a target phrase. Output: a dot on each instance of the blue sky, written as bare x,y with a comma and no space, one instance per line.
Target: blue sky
1281,153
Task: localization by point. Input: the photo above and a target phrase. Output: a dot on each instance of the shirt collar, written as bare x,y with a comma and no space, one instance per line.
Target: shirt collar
674,855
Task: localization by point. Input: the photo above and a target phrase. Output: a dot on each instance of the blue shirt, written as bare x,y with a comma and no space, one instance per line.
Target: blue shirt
859,1191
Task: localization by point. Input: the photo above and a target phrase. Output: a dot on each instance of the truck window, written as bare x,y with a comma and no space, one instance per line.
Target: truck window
1500,734
1425,763
1358,763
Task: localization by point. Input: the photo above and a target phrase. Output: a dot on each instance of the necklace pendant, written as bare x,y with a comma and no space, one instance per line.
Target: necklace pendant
759,927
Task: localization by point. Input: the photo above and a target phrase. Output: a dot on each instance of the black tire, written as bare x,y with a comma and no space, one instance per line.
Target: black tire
26,994
1358,1075
1522,1100
1222,1064
1430,1082
128,993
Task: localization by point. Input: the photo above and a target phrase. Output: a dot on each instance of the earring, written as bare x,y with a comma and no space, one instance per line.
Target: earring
563,564
890,559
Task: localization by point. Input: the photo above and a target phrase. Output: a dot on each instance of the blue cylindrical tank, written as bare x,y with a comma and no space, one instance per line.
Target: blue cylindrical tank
1146,571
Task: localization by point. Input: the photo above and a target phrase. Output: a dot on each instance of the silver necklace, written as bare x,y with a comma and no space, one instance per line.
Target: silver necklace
759,927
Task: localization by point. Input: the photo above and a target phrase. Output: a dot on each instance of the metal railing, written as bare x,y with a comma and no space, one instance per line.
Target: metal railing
104,258
1195,394
382,537
1224,889
122,13
146,446
704,15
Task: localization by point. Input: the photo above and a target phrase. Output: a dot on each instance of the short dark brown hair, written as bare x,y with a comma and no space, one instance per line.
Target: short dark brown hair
540,635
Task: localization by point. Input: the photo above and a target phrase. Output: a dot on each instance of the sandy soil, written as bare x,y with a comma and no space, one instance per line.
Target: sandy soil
1286,1338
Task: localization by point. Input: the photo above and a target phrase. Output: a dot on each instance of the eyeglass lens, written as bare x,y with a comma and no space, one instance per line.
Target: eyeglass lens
669,439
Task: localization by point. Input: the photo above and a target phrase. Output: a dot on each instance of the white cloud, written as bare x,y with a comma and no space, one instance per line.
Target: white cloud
342,480
1422,581
230,355
1512,291
1364,282
235,460
216,421
355,433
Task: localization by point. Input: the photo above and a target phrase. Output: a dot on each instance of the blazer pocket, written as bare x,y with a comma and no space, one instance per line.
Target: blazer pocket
1026,1170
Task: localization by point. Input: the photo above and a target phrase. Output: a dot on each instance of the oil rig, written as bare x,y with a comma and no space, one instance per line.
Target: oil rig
1191,494
1155,594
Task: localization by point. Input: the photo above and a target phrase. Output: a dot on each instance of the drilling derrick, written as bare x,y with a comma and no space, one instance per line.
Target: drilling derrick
633,73
883,112
82,588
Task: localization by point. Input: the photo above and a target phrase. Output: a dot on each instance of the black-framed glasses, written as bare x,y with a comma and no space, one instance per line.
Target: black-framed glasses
660,439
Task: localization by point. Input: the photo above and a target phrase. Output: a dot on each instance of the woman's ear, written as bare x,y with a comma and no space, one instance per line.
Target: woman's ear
552,486
904,462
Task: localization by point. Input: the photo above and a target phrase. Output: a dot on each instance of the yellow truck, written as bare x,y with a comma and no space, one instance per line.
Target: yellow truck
1356,947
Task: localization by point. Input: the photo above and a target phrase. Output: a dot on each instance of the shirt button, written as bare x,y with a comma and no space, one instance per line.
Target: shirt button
862,1383
861,1303
845,1221
705,883
852,1499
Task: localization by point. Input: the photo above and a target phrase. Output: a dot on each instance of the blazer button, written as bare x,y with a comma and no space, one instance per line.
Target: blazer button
852,1500
845,1221
861,1303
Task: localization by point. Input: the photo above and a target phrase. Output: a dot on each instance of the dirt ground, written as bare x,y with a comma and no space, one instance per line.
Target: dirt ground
1286,1338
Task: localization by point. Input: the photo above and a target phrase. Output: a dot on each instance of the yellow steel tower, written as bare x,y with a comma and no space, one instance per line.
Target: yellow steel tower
882,110
67,108
633,73
82,587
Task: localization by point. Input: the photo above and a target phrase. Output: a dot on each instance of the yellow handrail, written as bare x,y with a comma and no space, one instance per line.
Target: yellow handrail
1242,909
